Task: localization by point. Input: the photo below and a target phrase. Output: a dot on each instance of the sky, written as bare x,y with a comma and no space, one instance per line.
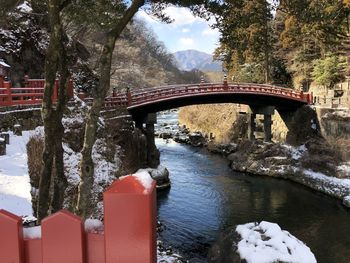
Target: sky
186,32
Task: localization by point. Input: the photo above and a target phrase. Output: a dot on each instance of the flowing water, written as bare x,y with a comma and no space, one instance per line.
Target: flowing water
207,197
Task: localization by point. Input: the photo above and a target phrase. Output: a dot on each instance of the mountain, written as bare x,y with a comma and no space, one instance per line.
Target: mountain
193,59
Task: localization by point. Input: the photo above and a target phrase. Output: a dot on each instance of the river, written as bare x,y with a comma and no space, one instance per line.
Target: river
207,197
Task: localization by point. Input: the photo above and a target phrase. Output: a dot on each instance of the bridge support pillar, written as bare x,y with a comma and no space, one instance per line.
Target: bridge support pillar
252,126
267,112
267,127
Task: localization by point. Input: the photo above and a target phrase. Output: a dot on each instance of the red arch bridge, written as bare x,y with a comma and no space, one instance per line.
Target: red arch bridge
165,97
262,98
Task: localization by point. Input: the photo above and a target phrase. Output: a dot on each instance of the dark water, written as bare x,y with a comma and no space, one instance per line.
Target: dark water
207,197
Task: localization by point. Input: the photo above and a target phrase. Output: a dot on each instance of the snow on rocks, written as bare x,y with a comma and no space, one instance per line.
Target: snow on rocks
15,186
25,7
333,186
266,243
298,152
161,175
164,257
145,179
346,201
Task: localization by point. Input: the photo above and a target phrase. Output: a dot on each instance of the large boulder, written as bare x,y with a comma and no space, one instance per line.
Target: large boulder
197,139
161,176
259,242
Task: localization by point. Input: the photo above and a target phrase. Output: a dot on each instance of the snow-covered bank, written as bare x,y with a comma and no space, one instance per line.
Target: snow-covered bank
15,186
318,171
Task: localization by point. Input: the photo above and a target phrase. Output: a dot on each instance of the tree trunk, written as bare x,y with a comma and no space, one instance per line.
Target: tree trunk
45,178
60,180
87,164
267,45
83,207
55,60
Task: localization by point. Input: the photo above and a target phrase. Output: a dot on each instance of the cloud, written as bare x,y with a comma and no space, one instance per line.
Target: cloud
181,16
186,42
185,30
144,16
210,32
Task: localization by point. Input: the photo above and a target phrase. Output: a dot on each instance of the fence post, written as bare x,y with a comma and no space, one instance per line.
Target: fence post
7,86
62,238
11,238
225,83
130,222
26,81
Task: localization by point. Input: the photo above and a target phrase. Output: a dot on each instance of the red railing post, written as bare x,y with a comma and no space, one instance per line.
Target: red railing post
130,222
32,250
128,94
7,86
225,83
11,238
62,238
26,81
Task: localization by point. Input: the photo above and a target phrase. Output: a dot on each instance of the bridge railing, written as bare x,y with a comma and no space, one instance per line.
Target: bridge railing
31,94
128,234
139,96
146,95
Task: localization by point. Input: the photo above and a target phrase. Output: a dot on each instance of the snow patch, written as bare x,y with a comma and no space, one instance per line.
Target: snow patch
32,232
145,179
266,243
345,168
328,179
2,63
15,186
25,7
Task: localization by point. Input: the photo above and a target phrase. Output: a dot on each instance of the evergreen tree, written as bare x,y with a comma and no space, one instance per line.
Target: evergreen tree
246,34
329,70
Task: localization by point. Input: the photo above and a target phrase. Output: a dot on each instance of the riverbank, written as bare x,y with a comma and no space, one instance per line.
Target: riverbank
316,164
298,164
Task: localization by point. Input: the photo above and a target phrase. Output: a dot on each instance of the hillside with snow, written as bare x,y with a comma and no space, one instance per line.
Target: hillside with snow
192,59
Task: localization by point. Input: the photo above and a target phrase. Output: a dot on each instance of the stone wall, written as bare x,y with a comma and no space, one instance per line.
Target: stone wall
29,119
335,123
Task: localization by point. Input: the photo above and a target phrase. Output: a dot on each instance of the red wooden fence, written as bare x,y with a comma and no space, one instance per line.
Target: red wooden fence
31,94
129,234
